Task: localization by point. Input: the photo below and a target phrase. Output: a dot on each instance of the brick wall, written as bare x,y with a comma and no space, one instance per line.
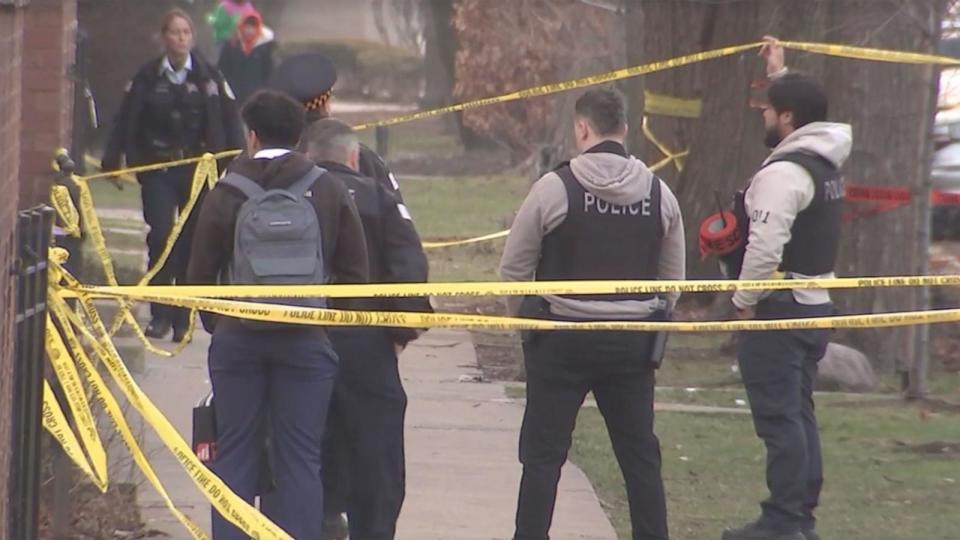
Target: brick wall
11,37
48,45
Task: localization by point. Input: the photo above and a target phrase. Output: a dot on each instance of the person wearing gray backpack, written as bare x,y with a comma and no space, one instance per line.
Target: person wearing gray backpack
274,218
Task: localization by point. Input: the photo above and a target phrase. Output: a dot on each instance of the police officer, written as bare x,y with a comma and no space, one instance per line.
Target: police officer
309,78
604,215
176,106
364,461
793,209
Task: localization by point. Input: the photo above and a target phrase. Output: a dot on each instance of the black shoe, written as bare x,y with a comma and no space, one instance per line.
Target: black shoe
179,334
335,527
158,329
755,531
811,535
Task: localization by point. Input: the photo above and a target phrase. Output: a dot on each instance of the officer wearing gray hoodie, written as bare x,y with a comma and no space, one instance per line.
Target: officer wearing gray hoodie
603,216
793,208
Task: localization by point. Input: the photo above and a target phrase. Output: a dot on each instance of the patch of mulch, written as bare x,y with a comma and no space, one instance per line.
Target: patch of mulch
97,516
499,356
498,353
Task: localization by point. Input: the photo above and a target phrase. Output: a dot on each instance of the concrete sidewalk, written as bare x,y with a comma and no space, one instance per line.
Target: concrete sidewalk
461,438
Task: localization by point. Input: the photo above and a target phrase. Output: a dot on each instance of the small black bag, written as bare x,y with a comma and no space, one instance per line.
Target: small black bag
205,430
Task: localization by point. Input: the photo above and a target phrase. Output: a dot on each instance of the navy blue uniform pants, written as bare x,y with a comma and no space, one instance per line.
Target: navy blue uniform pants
164,194
286,376
562,367
364,468
779,369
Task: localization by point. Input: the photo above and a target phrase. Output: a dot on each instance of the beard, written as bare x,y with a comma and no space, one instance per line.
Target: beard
772,138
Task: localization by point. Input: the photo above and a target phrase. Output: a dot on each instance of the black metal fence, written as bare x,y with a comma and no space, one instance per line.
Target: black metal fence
34,228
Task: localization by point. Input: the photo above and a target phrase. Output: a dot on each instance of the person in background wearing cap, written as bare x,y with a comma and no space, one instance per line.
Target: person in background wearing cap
309,78
176,106
604,215
246,60
364,453
792,207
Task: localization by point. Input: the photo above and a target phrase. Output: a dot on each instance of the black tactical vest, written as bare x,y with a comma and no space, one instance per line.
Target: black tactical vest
600,240
173,123
815,235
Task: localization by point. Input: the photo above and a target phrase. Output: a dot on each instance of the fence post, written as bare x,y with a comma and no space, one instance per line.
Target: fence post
33,240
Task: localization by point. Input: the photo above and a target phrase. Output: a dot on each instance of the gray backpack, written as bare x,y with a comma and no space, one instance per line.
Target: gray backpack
277,241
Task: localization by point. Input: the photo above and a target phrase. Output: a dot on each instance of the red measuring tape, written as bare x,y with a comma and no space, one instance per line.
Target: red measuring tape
719,234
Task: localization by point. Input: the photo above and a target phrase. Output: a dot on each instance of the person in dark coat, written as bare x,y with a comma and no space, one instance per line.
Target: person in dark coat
364,465
176,106
246,60
351,450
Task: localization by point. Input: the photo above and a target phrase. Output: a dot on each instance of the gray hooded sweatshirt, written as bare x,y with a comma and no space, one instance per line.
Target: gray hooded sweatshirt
613,178
782,190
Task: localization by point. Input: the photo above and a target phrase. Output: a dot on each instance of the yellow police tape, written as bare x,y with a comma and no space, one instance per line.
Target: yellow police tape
328,317
93,162
508,288
67,320
232,507
204,174
95,234
675,157
66,211
554,88
66,371
846,51
867,53
484,238
663,105
157,166
55,422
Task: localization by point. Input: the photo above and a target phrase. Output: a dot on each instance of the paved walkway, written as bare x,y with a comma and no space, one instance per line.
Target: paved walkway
462,470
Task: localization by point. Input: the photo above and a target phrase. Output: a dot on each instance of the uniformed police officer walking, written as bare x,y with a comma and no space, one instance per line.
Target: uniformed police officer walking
603,216
793,208
176,106
364,458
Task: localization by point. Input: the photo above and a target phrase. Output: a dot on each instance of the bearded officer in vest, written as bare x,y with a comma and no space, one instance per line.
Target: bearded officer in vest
793,209
604,216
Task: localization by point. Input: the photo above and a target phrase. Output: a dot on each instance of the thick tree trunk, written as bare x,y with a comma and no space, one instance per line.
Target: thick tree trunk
440,52
891,108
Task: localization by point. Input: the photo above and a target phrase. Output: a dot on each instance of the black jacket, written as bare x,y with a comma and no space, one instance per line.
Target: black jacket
394,251
222,130
372,166
246,73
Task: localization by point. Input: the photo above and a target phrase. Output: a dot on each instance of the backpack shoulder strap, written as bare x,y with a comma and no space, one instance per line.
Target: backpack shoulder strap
301,186
248,187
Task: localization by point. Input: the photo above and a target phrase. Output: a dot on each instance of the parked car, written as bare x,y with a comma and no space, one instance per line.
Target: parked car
945,170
